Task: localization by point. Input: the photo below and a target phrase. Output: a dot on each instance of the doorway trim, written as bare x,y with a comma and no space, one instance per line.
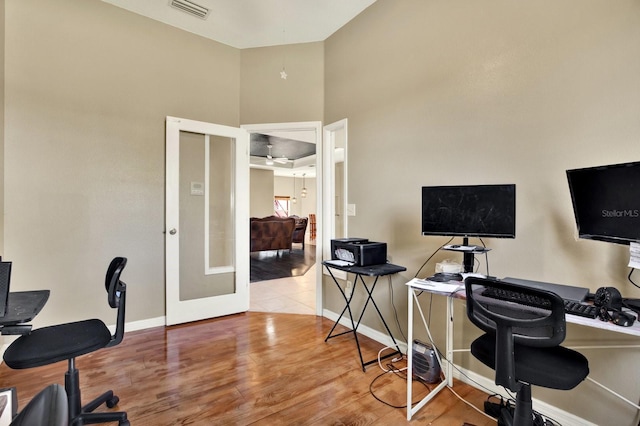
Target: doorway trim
315,126
332,211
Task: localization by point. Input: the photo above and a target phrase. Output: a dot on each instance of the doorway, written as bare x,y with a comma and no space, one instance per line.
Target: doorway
299,294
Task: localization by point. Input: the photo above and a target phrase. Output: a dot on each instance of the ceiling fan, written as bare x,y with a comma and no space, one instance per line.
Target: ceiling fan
271,159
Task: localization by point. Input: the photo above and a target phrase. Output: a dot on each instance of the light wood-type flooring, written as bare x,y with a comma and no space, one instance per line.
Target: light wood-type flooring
256,368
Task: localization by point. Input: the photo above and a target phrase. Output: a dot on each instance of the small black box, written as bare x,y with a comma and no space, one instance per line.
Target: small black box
359,251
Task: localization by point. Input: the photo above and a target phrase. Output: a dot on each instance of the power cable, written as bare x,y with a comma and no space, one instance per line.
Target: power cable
395,311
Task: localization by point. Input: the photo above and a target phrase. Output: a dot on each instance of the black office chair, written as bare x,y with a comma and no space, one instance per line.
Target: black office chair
522,344
48,408
67,341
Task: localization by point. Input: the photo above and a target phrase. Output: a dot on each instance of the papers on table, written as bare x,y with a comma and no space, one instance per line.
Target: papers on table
440,287
634,255
339,262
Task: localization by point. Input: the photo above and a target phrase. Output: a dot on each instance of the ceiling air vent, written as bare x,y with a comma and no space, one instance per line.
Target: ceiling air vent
190,7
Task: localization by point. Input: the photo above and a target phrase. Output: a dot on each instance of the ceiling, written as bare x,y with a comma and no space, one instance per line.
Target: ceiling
280,148
289,157
245,24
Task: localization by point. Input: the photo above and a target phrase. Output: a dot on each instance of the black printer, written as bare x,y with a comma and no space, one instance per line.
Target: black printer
359,251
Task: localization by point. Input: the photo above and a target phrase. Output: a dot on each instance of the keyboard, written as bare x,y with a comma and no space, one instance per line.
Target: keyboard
581,309
571,307
514,296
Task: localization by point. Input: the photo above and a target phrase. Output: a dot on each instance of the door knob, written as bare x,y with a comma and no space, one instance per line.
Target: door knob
173,231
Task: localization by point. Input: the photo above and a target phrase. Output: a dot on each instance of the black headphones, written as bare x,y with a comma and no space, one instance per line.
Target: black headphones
608,297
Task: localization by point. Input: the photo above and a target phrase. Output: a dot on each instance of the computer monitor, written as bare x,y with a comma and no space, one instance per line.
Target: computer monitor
606,202
469,211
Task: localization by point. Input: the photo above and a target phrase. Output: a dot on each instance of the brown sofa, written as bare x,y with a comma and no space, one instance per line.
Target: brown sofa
300,229
272,233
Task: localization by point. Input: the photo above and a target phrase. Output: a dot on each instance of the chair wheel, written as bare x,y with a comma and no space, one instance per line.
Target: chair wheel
112,402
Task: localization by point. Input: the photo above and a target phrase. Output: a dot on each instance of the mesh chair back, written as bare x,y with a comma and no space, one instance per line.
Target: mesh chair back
536,320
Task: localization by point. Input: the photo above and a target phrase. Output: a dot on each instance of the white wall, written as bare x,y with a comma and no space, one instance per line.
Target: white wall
262,192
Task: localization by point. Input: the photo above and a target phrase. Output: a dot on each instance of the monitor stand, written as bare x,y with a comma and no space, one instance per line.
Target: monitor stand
468,259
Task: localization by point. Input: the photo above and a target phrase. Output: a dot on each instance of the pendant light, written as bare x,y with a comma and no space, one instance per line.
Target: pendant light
303,193
293,199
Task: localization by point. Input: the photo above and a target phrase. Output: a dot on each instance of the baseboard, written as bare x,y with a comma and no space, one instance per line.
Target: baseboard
469,377
141,325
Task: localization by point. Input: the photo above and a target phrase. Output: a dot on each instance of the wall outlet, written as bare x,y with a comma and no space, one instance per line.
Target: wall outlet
348,289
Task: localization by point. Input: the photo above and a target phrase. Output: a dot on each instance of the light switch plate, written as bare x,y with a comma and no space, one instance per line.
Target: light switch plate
351,209
197,188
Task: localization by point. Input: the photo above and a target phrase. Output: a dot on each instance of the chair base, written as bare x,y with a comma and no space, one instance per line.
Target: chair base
506,419
84,415
87,416
522,414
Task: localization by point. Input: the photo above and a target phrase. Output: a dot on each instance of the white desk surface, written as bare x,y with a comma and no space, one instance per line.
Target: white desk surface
456,290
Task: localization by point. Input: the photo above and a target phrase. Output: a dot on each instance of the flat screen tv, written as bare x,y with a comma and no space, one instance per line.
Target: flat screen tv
469,210
606,202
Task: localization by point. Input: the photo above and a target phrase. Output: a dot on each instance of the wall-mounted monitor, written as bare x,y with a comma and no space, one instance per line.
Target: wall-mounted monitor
606,202
469,210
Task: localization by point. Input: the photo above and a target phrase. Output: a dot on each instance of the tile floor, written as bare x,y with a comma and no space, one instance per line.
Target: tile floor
295,295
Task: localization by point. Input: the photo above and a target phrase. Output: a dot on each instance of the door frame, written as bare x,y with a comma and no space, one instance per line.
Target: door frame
305,126
330,211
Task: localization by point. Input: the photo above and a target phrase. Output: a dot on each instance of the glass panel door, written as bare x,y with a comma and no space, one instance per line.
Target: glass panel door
207,224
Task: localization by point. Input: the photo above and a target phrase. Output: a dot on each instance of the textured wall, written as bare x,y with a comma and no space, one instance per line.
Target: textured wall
267,98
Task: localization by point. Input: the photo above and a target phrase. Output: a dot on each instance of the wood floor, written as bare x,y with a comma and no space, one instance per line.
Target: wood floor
274,264
249,369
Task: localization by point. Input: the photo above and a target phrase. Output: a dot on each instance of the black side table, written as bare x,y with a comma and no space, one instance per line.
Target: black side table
361,271
22,307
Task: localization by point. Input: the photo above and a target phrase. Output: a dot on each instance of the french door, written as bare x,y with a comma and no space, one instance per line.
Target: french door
207,220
